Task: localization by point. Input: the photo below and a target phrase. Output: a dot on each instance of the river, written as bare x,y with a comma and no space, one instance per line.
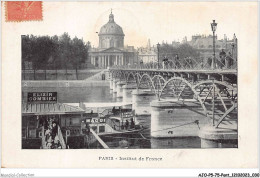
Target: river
96,93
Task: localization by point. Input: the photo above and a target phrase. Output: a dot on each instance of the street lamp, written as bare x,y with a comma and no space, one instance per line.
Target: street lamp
158,46
214,28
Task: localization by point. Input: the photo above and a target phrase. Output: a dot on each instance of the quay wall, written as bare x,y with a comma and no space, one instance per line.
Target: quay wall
62,83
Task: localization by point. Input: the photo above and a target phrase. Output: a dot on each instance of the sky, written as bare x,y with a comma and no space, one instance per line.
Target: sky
157,21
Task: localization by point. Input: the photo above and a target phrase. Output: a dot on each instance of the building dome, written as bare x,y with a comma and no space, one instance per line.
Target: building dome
111,28
111,34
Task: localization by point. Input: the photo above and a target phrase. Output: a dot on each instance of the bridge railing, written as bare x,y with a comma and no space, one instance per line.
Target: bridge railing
227,63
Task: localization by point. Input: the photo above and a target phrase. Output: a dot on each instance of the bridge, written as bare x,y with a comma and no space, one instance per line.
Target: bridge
214,90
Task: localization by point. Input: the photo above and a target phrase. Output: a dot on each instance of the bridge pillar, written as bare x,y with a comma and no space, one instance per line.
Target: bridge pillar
141,101
114,85
173,118
111,84
212,137
127,93
119,89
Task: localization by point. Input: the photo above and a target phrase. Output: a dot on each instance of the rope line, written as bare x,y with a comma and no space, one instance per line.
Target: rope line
196,122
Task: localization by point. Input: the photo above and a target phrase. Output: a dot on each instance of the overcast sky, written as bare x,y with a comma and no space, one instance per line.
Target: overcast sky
140,21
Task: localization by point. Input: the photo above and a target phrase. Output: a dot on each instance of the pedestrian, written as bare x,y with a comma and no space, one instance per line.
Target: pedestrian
48,139
87,128
165,61
209,62
190,62
229,60
114,110
222,56
132,123
141,64
126,124
54,131
177,62
201,62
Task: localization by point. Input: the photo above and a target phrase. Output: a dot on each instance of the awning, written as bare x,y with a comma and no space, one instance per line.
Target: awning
50,109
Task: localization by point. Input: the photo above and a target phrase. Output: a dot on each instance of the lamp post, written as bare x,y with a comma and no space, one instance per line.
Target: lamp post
158,46
214,28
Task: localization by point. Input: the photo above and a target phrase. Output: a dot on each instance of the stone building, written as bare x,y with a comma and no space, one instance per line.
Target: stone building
147,54
111,50
204,44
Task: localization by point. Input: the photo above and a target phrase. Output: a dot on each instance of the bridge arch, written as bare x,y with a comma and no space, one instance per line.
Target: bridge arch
138,77
220,93
147,79
128,77
187,83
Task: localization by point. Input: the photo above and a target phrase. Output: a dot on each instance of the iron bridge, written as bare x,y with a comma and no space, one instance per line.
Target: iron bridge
215,90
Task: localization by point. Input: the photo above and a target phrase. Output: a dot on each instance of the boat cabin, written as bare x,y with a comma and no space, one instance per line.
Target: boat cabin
35,119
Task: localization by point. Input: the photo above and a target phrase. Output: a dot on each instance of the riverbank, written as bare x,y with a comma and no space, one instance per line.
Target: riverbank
63,83
60,74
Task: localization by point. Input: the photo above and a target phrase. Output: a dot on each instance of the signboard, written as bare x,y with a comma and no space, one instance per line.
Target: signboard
127,115
95,120
42,97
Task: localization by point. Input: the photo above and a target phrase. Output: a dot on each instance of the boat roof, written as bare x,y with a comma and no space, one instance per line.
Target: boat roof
117,118
49,109
98,107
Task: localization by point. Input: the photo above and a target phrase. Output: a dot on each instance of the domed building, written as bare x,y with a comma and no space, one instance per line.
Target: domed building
111,35
111,50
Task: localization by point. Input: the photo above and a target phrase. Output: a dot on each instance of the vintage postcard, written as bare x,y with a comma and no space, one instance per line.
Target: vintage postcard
129,84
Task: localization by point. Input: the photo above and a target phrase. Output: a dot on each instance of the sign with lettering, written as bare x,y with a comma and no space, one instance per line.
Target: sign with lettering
42,97
95,120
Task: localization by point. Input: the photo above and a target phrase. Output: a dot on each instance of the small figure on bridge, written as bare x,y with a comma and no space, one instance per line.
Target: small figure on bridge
229,60
165,62
201,62
209,62
190,62
177,62
141,63
221,62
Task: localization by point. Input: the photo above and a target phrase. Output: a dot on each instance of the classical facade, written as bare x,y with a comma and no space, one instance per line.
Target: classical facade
111,50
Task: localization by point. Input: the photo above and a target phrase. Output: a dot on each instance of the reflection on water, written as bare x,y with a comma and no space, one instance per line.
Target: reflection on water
96,94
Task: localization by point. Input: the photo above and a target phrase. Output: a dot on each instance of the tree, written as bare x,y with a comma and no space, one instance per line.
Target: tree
54,52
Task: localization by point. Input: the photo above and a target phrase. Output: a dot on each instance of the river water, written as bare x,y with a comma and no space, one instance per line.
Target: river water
96,93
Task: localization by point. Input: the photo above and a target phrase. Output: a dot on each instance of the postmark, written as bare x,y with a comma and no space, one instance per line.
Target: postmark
19,11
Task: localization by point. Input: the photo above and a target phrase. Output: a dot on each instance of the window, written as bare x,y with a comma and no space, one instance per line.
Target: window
101,129
32,133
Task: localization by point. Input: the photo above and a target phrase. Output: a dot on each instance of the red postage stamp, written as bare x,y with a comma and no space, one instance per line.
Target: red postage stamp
23,11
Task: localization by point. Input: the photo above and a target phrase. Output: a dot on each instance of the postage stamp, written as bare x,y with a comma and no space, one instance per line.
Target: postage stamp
23,11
